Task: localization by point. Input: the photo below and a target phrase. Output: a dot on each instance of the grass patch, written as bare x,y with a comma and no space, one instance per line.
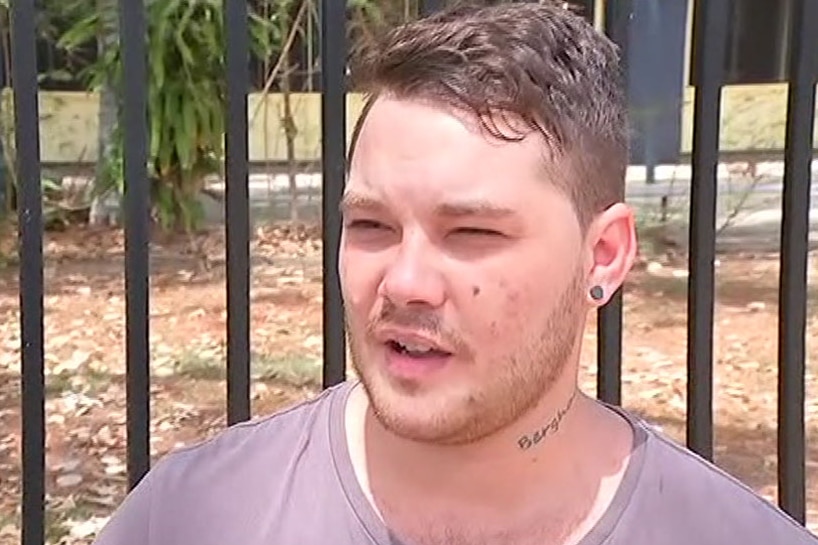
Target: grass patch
88,382
291,368
295,369
70,519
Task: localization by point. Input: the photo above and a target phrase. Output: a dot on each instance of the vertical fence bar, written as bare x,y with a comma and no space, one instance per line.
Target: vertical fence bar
609,317
4,175
27,139
588,10
333,151
792,310
709,32
609,350
428,7
133,36
237,211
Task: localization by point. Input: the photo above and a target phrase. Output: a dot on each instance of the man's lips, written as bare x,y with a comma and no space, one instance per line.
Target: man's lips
416,350
411,355
412,343
413,364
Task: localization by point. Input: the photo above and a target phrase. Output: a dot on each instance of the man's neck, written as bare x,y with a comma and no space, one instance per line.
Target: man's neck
566,443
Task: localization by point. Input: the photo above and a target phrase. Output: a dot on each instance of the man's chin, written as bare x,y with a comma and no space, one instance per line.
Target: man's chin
420,413
418,428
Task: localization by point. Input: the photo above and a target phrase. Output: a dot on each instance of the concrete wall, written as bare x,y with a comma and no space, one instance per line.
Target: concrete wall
753,118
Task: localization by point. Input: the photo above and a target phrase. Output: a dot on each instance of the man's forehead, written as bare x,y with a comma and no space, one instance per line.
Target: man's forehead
415,154
397,117
437,140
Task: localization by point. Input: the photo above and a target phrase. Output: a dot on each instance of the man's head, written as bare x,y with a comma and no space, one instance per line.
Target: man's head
483,203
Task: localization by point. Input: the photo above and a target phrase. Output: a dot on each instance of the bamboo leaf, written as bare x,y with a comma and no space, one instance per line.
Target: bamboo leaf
80,33
205,123
166,150
186,143
187,84
184,50
155,123
184,21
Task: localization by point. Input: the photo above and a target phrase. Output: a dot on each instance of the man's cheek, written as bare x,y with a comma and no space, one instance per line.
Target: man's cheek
357,288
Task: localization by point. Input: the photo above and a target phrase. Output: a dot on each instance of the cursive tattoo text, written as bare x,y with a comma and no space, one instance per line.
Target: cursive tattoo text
527,441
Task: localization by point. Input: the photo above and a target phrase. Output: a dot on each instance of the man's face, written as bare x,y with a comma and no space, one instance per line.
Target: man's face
462,270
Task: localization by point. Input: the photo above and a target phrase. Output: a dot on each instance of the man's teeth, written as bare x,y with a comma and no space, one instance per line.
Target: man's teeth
417,348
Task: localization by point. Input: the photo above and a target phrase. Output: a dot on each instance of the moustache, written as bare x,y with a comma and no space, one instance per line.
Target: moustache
420,320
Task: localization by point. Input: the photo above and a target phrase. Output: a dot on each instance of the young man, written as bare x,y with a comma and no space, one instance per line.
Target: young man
483,220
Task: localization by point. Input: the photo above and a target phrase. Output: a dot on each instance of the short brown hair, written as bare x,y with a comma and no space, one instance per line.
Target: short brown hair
539,62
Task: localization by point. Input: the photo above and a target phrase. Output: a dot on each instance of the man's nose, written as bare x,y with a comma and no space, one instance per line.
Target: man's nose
414,277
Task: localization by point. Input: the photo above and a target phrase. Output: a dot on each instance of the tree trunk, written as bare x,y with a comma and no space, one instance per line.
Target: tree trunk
105,203
290,132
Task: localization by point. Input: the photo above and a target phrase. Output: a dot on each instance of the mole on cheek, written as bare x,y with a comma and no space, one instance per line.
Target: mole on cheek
475,290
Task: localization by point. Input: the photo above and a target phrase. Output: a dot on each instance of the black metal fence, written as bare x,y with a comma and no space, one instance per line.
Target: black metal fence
710,28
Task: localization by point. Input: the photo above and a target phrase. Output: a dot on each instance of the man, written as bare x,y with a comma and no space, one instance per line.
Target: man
483,220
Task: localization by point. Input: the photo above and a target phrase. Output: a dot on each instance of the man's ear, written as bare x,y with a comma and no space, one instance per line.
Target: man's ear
611,247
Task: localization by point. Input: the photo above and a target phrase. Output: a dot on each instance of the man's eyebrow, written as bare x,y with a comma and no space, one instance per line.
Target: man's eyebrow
473,208
460,209
356,201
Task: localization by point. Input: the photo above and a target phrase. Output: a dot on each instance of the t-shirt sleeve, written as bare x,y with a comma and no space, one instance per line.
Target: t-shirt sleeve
131,521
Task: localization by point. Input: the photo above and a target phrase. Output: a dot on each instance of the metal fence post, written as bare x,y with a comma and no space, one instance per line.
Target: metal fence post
428,7
237,212
3,166
333,179
609,317
133,35
792,310
709,31
30,215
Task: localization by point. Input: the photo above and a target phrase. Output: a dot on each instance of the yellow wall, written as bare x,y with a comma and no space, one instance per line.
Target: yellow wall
753,118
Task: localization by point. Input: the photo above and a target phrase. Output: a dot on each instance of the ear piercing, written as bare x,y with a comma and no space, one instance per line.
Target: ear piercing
597,293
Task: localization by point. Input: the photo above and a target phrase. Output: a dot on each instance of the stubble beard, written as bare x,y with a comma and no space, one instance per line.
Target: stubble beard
465,413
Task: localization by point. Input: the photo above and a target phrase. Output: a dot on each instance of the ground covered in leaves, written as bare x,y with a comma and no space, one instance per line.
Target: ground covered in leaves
85,354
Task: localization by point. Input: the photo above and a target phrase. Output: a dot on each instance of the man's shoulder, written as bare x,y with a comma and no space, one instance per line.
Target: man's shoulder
707,503
261,441
250,483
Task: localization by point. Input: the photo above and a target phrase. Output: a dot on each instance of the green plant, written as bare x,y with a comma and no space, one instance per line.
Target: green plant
186,97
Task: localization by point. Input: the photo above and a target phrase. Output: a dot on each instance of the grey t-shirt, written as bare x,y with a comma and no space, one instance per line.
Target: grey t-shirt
288,480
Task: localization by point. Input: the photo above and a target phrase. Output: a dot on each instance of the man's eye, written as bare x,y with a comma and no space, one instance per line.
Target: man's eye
477,231
365,225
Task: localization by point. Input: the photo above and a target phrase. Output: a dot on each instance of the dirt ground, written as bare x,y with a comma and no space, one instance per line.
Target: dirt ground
85,354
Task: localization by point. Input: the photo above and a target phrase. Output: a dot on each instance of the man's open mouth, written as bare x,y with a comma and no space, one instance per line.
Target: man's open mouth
416,349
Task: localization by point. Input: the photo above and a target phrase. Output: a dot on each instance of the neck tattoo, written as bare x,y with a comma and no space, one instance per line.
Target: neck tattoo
527,441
